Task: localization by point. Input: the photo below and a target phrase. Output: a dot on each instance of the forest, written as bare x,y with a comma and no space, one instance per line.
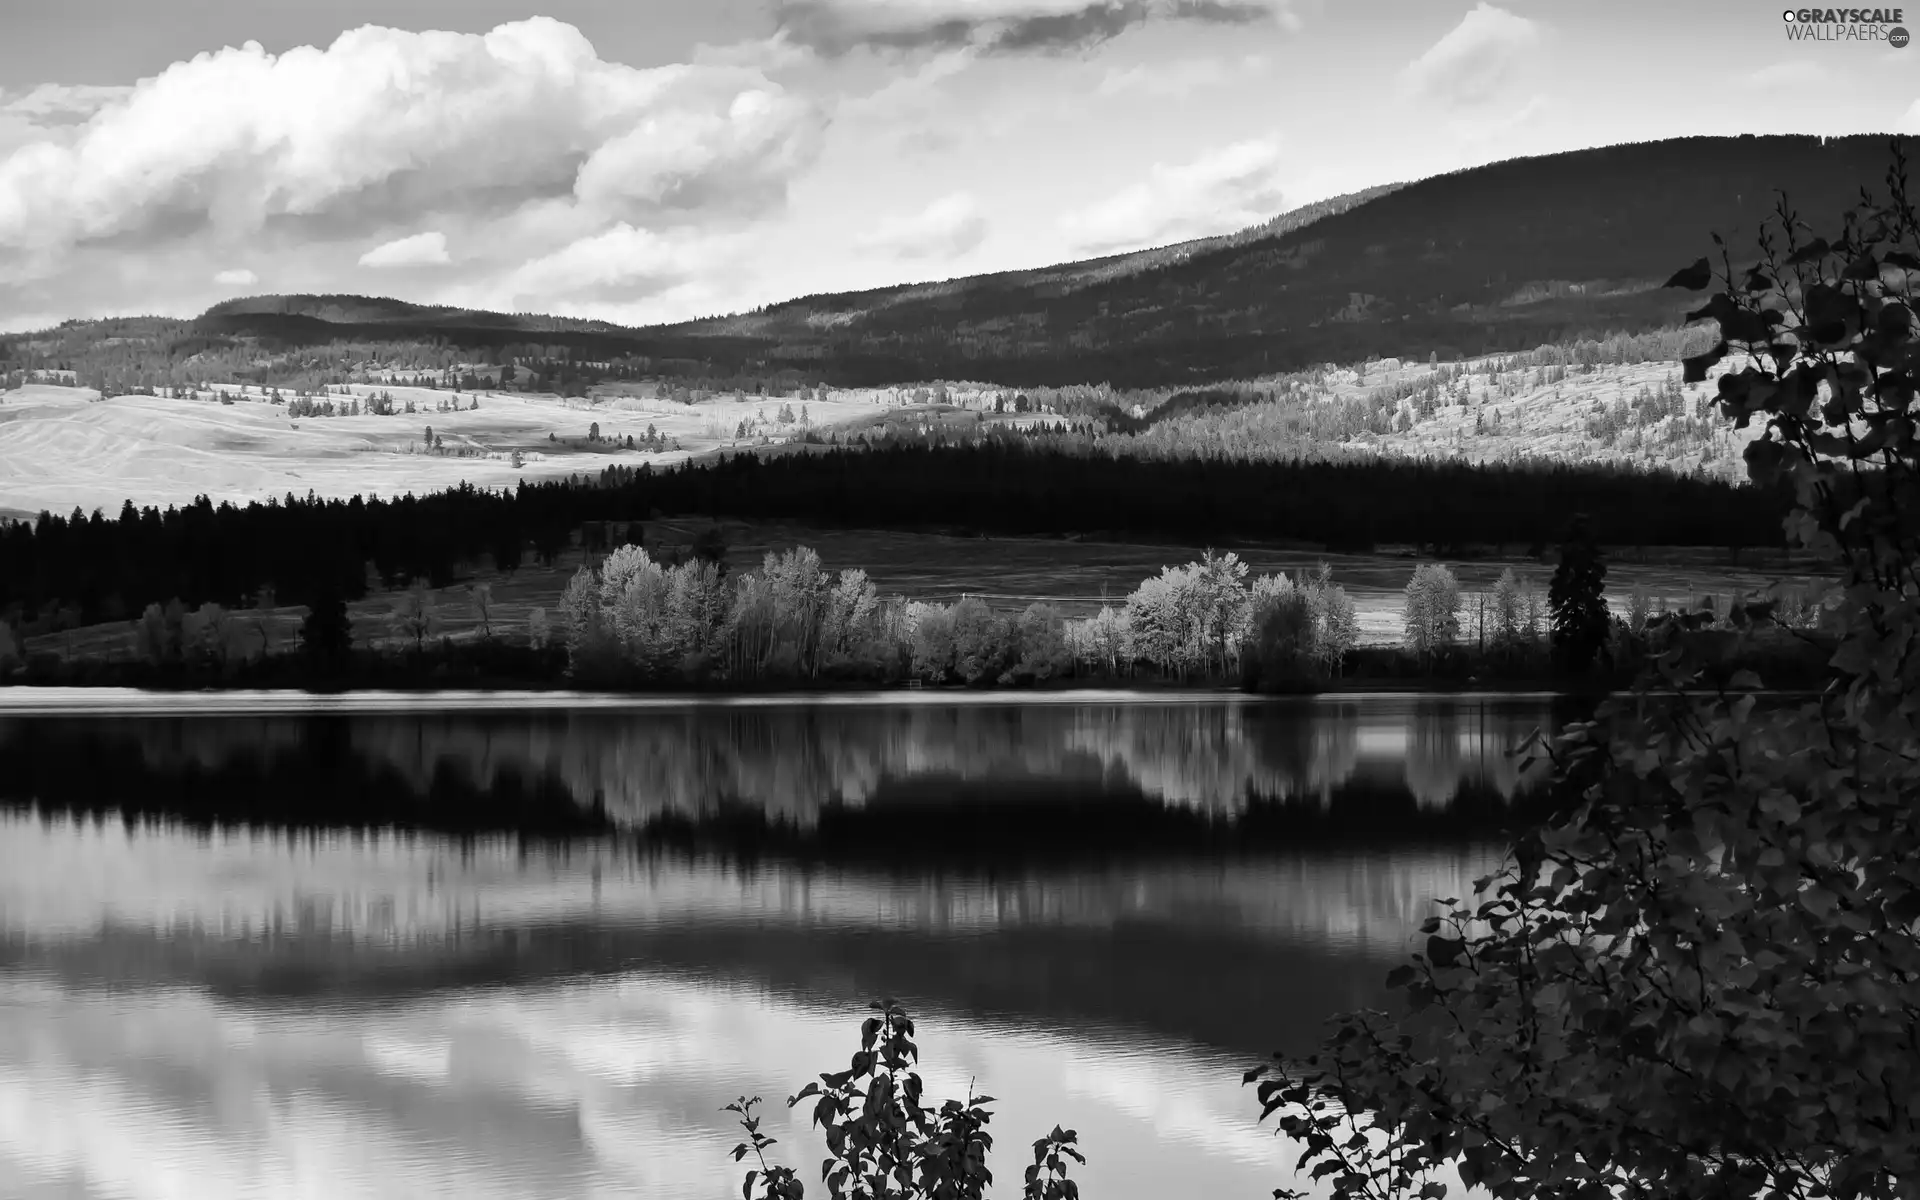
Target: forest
62,571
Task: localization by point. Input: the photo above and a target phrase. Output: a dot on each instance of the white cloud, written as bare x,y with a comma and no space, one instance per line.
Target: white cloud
421,250
1228,189
915,111
386,125
53,104
1909,121
947,228
238,277
1172,80
1794,72
837,26
1477,63
623,263
776,53
1487,122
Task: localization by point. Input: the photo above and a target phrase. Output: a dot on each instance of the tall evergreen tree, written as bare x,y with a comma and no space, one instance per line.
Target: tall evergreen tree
326,636
1576,598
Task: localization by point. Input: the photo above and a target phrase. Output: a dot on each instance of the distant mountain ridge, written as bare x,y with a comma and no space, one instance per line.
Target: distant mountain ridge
1497,258
1492,259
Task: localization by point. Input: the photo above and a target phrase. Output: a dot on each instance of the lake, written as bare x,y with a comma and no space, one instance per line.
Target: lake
528,947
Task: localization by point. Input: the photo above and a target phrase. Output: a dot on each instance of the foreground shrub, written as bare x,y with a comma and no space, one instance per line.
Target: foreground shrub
1704,981
883,1142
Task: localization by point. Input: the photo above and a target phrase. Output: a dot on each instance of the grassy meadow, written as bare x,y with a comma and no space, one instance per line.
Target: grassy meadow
1008,573
63,447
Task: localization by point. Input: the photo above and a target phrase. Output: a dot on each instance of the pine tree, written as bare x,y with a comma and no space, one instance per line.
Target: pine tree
1576,598
326,636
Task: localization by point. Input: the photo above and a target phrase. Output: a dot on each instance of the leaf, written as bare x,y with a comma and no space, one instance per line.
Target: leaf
1693,278
1694,367
1864,267
1813,251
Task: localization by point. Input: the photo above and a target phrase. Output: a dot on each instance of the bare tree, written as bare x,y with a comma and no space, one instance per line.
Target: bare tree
418,615
483,608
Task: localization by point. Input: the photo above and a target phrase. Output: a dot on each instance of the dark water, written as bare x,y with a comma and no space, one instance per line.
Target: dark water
530,953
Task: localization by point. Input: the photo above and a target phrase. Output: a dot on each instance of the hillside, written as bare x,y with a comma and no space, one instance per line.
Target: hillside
1498,258
1494,259
1618,403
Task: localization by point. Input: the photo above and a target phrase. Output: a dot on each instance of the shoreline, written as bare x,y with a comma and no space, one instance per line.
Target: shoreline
25,701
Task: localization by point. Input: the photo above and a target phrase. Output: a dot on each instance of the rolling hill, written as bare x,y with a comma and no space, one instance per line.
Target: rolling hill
1497,258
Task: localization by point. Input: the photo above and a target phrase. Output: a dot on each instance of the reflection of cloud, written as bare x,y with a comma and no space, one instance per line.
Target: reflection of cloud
565,1090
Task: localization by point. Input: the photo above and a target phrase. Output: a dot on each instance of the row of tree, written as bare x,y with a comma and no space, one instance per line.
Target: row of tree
83,568
633,616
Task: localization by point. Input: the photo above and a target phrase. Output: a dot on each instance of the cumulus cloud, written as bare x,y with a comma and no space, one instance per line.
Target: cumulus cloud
947,228
385,125
55,104
238,277
421,250
1228,189
1478,63
837,26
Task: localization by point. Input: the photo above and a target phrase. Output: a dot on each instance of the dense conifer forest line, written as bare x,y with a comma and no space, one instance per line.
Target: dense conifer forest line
95,567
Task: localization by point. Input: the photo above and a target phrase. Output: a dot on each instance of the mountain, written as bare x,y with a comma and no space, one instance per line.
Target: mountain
1497,258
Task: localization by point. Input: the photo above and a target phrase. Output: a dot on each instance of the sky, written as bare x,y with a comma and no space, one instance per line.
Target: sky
656,160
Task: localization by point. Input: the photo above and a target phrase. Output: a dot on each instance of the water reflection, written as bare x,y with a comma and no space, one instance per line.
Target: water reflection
790,764
302,955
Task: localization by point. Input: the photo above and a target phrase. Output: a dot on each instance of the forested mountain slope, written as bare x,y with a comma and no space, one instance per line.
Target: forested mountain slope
1494,259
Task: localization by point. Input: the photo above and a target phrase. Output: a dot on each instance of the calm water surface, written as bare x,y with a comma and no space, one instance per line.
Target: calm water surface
530,953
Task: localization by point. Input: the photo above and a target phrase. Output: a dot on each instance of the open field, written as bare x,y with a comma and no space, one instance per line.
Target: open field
62,448
1009,573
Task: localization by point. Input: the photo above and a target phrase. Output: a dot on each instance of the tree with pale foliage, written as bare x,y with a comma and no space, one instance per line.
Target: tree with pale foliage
1102,641
1336,624
1221,583
1431,610
1164,615
1701,979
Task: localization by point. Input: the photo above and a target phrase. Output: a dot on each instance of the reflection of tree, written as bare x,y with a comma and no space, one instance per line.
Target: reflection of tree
1434,761
791,763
